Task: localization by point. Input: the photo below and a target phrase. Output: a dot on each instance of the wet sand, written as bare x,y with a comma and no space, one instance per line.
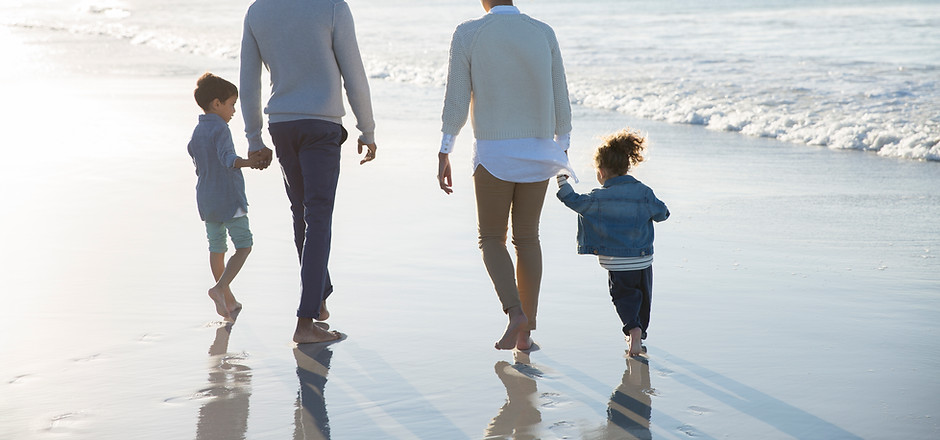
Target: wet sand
795,289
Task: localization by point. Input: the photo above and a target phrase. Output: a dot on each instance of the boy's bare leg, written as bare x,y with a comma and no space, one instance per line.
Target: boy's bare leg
221,293
517,321
324,313
636,347
308,331
216,264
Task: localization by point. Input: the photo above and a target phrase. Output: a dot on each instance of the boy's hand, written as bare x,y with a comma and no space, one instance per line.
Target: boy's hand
260,159
561,179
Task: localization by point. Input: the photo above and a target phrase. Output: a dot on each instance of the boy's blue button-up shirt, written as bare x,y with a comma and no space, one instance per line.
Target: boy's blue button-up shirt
617,219
220,187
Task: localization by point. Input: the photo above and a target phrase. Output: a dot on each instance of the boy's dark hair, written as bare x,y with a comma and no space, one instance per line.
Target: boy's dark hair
620,151
210,87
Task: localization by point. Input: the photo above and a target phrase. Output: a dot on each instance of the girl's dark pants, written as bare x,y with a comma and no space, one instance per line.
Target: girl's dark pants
309,153
631,292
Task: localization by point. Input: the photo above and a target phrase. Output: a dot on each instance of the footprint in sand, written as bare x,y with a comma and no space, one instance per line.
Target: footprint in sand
699,410
22,379
65,422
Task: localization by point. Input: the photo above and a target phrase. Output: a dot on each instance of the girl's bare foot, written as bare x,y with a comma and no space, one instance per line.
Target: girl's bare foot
324,313
524,340
218,297
308,333
517,321
636,346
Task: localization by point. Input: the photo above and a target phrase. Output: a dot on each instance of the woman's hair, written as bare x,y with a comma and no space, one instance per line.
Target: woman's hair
210,87
620,152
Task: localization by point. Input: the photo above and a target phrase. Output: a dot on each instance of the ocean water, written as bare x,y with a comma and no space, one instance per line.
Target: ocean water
854,75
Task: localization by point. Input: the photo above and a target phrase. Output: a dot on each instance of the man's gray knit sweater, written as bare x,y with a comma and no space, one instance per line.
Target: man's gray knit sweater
310,49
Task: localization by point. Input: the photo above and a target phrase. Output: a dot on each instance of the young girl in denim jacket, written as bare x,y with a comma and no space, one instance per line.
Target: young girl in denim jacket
615,222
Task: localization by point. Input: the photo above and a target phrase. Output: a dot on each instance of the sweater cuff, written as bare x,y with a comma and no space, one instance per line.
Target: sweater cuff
367,138
563,140
447,143
255,144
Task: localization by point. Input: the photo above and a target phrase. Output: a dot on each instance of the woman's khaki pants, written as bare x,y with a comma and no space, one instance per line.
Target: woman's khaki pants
497,201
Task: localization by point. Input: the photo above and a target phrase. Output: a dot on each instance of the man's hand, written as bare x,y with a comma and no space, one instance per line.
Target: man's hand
443,172
261,158
370,154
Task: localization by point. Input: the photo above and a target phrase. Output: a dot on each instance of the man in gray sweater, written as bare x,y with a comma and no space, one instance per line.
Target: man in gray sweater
310,49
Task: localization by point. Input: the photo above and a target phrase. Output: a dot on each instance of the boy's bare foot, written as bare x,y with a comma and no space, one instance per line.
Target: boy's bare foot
636,346
517,321
524,340
218,297
308,333
324,313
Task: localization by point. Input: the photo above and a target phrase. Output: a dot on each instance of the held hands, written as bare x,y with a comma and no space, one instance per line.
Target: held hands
260,159
443,173
370,154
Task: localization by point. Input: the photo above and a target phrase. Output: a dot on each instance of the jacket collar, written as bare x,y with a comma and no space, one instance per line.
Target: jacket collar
619,180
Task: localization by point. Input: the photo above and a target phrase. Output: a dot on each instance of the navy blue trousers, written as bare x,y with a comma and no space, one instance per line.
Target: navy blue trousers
631,292
309,152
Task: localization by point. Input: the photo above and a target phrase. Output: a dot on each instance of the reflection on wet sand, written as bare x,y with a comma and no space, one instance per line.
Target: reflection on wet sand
518,418
628,412
310,418
225,413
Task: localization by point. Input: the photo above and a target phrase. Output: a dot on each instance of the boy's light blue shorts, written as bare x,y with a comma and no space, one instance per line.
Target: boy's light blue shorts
237,229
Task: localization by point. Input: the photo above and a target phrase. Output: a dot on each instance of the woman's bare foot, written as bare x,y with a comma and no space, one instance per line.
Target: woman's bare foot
324,313
517,321
218,297
636,346
308,333
524,340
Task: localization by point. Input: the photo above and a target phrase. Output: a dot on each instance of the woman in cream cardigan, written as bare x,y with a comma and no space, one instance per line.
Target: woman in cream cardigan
509,67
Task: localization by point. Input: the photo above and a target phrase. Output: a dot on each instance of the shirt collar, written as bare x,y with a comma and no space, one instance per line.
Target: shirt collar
504,10
211,117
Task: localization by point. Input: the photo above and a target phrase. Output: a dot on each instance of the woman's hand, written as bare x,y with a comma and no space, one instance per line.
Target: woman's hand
443,172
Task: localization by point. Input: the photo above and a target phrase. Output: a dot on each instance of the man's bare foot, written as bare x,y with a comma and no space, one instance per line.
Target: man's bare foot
517,321
324,313
636,346
218,297
308,333
235,311
524,340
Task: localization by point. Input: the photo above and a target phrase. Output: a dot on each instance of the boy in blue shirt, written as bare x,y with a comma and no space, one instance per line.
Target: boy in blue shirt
220,188
615,222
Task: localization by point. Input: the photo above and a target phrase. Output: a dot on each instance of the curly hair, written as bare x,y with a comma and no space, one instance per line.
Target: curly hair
620,152
210,87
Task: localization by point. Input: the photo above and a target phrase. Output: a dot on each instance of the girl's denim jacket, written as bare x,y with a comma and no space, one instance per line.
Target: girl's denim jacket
617,219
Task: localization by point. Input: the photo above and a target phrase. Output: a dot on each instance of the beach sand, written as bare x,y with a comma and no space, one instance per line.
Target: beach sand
795,289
